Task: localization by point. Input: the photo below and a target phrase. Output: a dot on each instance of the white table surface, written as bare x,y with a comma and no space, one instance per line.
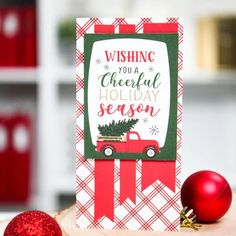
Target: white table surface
66,219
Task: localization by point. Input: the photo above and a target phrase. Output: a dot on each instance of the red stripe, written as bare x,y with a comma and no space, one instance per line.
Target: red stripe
123,29
104,29
160,28
104,169
104,189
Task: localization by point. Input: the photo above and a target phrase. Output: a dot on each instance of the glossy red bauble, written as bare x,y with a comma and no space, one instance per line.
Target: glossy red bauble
208,194
33,223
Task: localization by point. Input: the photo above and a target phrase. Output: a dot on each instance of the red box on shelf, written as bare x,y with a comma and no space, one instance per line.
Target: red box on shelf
15,158
28,34
18,37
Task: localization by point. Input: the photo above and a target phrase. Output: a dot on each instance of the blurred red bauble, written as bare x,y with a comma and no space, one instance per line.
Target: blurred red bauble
208,194
33,223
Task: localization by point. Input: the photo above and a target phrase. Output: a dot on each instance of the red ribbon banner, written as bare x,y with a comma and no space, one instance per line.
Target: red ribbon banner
104,169
127,180
104,189
158,170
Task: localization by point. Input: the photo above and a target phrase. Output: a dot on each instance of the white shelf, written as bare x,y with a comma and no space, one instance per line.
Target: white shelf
227,78
18,76
64,187
66,75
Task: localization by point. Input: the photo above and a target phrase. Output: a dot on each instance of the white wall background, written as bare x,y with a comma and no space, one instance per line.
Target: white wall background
209,130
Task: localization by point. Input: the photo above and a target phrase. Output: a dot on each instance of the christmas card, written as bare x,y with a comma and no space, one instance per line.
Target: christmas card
128,127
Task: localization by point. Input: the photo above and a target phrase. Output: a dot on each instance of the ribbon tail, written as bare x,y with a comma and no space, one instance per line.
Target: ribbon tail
104,189
158,170
127,180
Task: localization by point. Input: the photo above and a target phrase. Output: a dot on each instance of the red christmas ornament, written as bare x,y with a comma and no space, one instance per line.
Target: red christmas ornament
208,194
33,223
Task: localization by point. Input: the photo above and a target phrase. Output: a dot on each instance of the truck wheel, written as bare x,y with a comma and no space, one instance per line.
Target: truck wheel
150,152
108,151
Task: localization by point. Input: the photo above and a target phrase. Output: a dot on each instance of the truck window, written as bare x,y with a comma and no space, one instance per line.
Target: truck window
133,137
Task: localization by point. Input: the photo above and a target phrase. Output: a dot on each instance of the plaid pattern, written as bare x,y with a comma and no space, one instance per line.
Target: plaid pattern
157,207
79,57
79,83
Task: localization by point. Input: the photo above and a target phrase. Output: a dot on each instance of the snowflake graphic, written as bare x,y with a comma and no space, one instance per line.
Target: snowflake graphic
145,120
106,67
153,130
150,69
98,61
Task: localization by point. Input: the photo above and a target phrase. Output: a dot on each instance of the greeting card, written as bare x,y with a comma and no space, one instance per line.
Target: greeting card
129,114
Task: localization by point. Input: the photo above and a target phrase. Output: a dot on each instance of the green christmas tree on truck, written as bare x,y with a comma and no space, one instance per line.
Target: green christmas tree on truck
111,140
117,128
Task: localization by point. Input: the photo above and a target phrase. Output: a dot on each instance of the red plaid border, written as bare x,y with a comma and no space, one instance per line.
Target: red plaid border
82,29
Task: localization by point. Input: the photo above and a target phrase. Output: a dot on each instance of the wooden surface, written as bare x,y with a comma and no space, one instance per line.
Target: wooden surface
225,227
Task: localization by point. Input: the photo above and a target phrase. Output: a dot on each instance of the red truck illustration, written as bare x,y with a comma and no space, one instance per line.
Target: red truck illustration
132,143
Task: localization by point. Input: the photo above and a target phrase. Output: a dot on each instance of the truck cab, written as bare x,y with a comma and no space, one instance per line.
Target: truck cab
132,143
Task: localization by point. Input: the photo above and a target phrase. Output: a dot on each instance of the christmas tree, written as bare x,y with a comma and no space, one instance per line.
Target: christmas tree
118,128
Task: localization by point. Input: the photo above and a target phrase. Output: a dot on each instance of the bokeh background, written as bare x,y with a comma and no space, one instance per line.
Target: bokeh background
37,92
